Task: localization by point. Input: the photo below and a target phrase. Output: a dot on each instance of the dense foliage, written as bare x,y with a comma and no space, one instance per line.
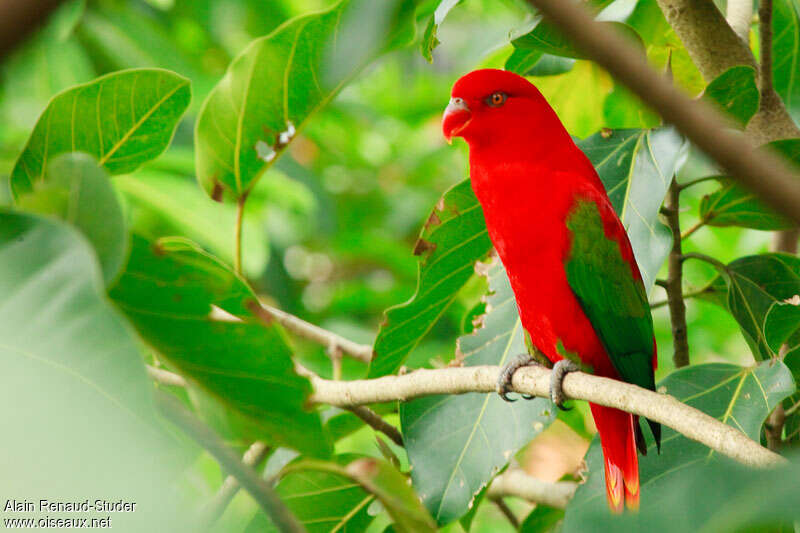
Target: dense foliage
166,165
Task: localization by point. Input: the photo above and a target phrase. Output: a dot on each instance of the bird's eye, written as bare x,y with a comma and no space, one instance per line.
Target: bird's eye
496,99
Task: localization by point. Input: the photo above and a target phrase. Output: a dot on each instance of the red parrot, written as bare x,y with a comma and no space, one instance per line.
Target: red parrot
578,288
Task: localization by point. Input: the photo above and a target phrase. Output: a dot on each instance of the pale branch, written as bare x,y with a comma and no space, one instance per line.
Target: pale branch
661,408
739,16
517,483
261,492
215,507
374,420
760,171
165,377
674,285
314,333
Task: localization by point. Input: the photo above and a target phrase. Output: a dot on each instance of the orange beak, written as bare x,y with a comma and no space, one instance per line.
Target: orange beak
456,117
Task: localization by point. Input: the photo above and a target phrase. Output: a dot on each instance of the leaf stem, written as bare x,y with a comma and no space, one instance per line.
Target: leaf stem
686,296
716,263
266,497
237,235
507,512
700,223
674,285
691,183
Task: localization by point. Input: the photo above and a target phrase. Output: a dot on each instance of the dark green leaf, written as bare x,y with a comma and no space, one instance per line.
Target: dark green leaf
733,206
77,411
77,190
735,93
429,40
452,240
548,40
320,500
741,397
786,53
636,168
457,443
541,520
198,314
278,82
123,119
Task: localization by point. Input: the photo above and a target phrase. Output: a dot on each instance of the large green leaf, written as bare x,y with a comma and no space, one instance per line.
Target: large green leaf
735,93
199,315
733,206
546,39
75,402
123,119
454,237
77,190
636,168
429,40
280,80
457,443
741,397
322,501
786,53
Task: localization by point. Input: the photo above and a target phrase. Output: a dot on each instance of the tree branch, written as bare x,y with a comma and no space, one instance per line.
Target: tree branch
674,285
372,419
739,16
307,330
536,381
760,171
217,505
515,482
19,19
507,512
165,377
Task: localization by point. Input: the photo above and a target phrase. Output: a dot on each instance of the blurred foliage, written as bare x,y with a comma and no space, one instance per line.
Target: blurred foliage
334,211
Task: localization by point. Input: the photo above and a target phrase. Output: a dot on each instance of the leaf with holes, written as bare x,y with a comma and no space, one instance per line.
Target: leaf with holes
734,92
786,53
457,443
199,316
741,397
452,240
322,501
123,119
280,80
636,168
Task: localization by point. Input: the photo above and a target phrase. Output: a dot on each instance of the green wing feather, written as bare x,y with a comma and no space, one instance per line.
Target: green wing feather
613,299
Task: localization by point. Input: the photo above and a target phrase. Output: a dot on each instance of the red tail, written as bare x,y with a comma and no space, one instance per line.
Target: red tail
616,429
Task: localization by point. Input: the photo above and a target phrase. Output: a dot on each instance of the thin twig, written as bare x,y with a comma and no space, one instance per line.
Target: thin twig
515,482
261,492
700,223
307,330
686,296
374,420
230,486
507,512
692,183
674,286
661,408
760,171
716,263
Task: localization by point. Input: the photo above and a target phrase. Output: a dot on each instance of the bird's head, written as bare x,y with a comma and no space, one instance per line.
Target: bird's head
490,106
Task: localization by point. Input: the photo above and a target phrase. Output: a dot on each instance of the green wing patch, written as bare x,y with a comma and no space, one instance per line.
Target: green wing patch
613,299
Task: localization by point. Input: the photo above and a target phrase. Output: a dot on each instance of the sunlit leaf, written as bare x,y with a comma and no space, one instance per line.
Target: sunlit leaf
735,93
123,119
199,316
280,80
77,190
741,397
457,443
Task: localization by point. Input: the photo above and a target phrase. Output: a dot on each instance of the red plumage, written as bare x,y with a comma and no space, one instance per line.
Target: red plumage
527,174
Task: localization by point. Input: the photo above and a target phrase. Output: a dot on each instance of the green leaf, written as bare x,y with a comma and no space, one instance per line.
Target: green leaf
716,497
761,296
733,206
123,119
549,40
623,109
280,80
322,501
786,54
457,443
541,520
429,40
78,191
735,92
198,315
636,168
452,240
185,208
741,397
77,411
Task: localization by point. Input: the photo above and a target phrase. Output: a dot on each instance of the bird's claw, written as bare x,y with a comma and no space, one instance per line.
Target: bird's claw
559,372
507,374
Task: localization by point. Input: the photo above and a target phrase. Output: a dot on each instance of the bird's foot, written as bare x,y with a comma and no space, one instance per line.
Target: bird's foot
559,372
507,374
